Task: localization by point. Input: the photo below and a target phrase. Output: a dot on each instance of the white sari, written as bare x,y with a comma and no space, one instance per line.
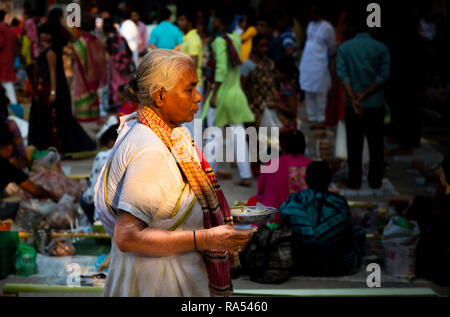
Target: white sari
145,181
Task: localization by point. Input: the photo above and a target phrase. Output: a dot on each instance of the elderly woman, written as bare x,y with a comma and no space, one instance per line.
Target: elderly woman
157,196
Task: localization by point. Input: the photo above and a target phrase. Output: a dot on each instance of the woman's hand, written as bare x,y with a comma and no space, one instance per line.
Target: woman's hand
215,90
272,104
226,238
212,102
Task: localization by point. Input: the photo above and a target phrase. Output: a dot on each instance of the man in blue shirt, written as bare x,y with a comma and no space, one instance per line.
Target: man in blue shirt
363,66
166,34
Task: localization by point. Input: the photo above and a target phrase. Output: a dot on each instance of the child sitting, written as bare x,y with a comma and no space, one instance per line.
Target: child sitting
326,244
107,141
275,188
19,155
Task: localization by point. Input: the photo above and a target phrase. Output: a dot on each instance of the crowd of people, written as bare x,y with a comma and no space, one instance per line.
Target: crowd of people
238,69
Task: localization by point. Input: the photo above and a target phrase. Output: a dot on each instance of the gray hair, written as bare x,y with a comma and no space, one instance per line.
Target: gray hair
159,68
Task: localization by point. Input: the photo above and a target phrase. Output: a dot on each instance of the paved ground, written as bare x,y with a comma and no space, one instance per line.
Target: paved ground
399,170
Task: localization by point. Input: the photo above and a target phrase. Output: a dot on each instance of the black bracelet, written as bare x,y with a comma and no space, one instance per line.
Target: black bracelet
195,241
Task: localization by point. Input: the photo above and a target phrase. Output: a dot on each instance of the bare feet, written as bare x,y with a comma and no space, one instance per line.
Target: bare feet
222,174
317,126
246,182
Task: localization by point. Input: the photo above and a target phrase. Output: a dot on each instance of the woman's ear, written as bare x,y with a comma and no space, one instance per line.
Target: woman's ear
160,97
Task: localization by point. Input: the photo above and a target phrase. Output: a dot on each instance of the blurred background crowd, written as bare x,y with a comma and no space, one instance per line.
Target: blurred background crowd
260,63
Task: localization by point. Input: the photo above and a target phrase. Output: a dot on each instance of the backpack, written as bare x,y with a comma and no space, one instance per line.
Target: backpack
268,257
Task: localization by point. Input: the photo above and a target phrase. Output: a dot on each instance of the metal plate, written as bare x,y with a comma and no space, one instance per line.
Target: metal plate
247,218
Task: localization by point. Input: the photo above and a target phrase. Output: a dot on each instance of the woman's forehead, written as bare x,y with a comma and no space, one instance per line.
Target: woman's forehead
189,76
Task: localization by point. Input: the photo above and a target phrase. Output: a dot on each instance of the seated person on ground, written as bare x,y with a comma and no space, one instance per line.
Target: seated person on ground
433,217
11,174
107,141
275,188
325,243
287,103
19,154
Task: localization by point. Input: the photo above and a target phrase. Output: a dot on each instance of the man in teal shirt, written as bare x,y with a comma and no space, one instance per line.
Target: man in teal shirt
166,34
363,66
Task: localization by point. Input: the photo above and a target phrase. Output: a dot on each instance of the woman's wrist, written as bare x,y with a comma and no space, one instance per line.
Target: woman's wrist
201,237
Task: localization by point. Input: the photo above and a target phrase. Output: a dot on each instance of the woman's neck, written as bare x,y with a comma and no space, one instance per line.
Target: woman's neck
163,117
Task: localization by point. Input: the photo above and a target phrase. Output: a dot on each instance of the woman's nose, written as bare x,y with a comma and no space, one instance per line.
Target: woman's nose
198,97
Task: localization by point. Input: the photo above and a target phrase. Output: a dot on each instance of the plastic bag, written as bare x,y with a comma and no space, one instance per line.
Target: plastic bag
60,247
270,118
55,182
25,260
9,241
28,218
268,258
64,216
48,159
35,214
43,207
399,241
341,143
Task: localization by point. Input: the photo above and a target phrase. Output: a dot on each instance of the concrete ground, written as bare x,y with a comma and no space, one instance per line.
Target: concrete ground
399,170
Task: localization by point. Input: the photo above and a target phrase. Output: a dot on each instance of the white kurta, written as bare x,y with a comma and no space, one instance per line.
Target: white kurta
320,43
145,181
130,32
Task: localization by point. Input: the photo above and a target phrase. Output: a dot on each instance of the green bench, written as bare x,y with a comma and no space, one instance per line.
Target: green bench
332,292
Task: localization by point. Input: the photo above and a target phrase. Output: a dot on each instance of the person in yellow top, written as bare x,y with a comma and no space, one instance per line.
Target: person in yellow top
246,38
192,46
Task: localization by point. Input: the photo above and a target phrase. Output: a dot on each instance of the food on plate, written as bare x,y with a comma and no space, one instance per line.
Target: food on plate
243,210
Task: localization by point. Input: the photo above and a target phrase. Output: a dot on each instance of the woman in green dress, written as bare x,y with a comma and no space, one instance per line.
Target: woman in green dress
226,103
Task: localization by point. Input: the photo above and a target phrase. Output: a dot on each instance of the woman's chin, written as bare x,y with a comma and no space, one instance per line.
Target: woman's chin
190,117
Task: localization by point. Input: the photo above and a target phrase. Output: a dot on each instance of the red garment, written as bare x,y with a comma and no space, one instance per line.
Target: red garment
335,108
8,44
17,30
127,108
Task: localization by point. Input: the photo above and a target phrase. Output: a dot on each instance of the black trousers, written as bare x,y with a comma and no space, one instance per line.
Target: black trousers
370,124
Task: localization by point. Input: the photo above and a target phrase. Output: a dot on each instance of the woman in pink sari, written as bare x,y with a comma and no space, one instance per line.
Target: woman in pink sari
89,73
121,65
30,30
